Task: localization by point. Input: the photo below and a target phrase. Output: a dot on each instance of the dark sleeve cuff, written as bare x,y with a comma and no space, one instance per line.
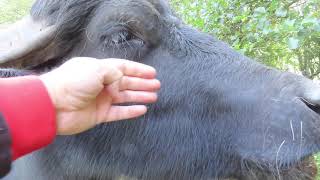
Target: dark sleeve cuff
29,114
5,148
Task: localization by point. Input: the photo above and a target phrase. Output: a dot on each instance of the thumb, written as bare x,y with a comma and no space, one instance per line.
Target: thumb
110,74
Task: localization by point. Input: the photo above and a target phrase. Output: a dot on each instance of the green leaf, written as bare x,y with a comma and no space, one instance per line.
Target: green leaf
289,22
293,43
317,27
260,10
281,12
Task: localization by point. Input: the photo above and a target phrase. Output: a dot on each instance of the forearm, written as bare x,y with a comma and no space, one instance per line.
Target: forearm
28,112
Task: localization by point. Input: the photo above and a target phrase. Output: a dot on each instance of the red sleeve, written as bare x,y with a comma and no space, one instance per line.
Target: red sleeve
29,112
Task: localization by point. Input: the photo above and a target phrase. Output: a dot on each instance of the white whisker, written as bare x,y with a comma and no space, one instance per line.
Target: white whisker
88,36
84,47
265,138
292,131
277,164
301,138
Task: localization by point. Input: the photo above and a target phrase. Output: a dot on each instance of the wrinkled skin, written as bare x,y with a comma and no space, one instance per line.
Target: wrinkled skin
219,116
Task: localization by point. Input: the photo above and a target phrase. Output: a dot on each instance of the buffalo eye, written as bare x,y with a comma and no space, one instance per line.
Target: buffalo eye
121,36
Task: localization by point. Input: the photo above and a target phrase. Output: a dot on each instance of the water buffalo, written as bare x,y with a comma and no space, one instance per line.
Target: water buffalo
220,115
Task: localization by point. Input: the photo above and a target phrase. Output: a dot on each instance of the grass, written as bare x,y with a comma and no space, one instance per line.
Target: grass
12,10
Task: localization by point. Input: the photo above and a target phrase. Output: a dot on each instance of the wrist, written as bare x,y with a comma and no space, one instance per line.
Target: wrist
50,89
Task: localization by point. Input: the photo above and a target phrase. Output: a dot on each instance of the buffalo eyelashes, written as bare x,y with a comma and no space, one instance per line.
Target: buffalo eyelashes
121,38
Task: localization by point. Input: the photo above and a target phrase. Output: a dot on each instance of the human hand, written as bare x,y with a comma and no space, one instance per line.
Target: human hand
85,92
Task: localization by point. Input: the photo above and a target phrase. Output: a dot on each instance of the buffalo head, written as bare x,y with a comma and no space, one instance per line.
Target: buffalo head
220,115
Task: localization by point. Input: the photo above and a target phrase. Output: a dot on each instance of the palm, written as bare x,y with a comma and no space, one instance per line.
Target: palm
94,96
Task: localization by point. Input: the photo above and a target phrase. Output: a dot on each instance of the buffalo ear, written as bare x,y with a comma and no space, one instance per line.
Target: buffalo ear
26,43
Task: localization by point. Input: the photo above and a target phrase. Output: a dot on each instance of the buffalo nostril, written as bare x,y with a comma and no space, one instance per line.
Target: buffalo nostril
313,107
312,93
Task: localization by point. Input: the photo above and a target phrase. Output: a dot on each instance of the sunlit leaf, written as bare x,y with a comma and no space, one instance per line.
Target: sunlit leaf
260,10
281,12
293,43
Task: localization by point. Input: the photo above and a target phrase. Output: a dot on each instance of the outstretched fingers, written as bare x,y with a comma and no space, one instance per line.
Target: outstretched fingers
135,97
131,68
138,84
125,112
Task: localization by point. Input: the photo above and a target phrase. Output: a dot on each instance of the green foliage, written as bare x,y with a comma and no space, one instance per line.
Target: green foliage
11,10
283,34
317,159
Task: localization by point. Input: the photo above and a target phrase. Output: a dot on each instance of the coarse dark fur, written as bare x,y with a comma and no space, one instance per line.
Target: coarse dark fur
219,116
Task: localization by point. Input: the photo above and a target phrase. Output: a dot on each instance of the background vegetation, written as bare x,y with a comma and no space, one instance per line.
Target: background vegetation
281,33
11,10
